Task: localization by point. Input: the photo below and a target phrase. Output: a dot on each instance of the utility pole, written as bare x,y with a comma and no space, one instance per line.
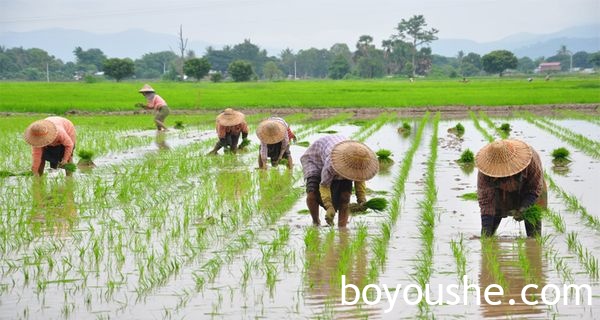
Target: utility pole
295,78
47,73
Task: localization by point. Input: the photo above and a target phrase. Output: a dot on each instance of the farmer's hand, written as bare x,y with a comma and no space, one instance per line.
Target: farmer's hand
330,215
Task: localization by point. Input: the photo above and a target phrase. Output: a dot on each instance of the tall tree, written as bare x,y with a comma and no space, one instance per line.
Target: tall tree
196,67
118,69
414,30
240,70
91,57
498,61
181,46
339,67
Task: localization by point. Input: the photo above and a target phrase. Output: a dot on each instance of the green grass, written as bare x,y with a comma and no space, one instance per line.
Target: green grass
110,96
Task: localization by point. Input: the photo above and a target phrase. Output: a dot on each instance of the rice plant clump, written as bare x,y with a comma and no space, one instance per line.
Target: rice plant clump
467,157
85,158
404,129
375,204
560,156
384,156
505,129
533,214
458,130
179,125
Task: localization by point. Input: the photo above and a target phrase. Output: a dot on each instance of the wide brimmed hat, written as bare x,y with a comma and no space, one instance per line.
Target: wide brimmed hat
230,117
355,161
503,158
41,133
271,131
146,88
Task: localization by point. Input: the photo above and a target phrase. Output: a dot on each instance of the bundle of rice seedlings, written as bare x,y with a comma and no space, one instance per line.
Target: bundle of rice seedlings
303,143
85,158
179,125
458,130
533,214
245,143
469,196
560,156
375,204
467,157
384,156
505,127
405,128
71,167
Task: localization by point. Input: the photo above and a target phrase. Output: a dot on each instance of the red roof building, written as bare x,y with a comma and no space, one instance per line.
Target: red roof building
549,66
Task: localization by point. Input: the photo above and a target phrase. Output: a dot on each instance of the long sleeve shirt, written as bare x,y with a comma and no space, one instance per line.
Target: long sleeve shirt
66,136
222,131
316,161
284,143
156,102
521,190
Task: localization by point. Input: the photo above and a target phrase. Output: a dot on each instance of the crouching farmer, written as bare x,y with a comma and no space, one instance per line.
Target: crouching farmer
274,135
52,140
230,124
331,165
510,180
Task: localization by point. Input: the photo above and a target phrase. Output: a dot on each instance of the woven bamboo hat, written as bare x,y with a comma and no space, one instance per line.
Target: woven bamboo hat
271,131
503,158
230,117
355,161
146,88
41,133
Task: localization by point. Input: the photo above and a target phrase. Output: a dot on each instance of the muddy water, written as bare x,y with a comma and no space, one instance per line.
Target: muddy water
299,292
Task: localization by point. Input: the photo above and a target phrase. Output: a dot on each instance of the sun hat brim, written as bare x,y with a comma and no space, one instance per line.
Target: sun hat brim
354,160
503,158
40,133
146,88
230,118
271,131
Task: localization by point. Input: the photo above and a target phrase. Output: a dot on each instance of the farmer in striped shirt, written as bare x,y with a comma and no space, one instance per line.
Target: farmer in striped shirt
230,124
156,103
274,135
52,140
509,181
330,166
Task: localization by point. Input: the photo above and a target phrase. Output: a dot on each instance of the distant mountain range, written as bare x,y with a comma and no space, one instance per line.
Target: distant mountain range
134,43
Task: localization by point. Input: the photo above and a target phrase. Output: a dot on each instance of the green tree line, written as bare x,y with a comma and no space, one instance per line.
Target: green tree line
404,54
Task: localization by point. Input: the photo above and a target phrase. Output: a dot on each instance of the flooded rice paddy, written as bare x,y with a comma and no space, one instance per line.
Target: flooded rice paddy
160,230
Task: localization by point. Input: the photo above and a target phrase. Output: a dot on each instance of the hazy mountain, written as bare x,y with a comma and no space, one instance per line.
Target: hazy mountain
582,38
135,43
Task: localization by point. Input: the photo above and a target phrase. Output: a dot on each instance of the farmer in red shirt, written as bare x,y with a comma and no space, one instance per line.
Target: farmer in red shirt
509,181
156,103
52,140
230,124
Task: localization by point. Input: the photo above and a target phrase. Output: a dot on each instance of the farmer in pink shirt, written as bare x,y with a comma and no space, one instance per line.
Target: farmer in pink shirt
52,140
156,103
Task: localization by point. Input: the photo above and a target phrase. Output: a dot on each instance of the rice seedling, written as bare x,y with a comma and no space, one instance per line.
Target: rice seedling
458,250
466,157
372,126
487,136
179,125
471,196
533,214
586,258
303,143
573,204
560,156
504,130
458,130
375,204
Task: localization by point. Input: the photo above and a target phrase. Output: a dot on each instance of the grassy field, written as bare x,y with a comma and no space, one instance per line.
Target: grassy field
110,96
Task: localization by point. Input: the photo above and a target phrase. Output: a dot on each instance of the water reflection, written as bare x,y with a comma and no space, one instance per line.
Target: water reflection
326,261
512,264
53,211
161,141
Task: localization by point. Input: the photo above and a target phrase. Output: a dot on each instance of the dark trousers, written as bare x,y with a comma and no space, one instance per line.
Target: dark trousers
489,225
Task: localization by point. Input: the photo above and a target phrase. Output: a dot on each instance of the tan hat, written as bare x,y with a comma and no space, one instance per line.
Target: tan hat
355,161
41,133
271,131
146,88
230,117
503,158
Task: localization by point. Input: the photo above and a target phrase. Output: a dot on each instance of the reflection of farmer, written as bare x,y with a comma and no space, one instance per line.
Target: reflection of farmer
156,103
275,135
510,180
53,210
52,140
330,166
230,124
505,259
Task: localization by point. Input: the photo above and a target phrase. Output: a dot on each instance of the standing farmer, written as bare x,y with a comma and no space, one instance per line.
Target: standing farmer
509,181
52,140
274,135
330,166
230,124
156,103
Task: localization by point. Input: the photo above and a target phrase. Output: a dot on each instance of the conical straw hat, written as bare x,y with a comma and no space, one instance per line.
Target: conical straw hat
146,88
230,117
355,161
503,158
41,133
271,131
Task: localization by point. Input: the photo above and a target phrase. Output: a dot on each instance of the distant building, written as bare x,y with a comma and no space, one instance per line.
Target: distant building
548,66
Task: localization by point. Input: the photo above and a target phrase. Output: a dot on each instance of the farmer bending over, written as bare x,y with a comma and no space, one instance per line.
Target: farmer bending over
274,135
156,103
52,140
330,166
230,124
509,181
